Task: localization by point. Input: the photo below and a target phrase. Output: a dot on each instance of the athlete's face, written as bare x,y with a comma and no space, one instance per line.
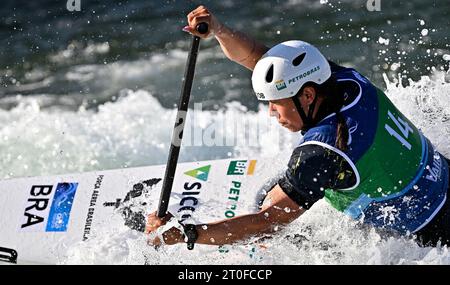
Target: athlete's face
286,113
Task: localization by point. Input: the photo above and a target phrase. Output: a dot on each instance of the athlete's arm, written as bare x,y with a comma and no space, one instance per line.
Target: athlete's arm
311,170
236,45
278,210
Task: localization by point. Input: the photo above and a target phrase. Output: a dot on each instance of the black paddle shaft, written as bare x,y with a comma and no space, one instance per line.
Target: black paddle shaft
177,134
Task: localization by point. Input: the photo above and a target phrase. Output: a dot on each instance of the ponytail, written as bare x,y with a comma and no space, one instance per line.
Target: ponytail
334,100
342,134
342,131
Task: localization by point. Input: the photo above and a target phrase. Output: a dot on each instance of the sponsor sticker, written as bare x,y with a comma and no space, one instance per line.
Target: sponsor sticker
40,215
241,167
233,199
280,84
200,173
191,192
58,219
303,75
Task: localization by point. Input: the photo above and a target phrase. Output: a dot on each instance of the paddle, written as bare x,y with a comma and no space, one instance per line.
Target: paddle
177,134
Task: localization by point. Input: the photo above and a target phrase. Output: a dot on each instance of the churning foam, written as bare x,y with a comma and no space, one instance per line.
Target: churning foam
135,130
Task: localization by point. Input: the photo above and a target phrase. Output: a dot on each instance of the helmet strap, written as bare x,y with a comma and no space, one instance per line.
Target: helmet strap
312,106
300,111
307,120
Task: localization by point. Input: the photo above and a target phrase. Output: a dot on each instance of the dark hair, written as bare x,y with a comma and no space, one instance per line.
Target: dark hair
333,102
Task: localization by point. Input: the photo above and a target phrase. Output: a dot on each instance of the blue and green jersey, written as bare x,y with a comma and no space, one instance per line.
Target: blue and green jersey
400,180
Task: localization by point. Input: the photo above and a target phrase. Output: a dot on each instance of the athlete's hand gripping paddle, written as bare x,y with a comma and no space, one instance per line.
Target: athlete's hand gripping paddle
177,134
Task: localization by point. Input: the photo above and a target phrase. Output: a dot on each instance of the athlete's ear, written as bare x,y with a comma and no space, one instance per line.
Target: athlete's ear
309,93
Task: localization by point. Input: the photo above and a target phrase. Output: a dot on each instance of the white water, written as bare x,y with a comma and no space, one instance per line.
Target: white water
135,130
38,137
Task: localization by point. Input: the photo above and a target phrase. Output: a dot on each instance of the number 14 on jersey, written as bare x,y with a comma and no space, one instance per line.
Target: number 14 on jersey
404,128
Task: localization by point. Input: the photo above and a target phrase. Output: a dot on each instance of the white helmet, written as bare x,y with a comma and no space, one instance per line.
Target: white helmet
285,68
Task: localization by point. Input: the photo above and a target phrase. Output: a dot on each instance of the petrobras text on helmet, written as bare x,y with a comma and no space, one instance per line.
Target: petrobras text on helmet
304,74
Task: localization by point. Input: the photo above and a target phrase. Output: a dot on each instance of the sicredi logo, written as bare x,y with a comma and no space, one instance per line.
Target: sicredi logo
38,216
200,173
189,201
241,167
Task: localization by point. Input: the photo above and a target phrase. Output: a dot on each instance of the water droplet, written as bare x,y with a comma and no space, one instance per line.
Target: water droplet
287,210
315,179
205,227
379,189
